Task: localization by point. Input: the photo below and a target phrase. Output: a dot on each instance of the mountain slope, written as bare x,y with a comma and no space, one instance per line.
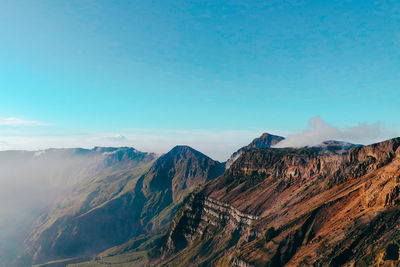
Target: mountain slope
144,202
31,181
266,140
308,206
118,169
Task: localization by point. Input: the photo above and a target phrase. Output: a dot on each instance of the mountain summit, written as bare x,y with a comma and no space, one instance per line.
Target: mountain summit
182,168
266,140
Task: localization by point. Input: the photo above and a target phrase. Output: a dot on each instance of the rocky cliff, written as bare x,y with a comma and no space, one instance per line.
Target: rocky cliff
295,207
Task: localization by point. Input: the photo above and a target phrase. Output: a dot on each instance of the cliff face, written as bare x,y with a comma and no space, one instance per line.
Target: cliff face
293,207
138,200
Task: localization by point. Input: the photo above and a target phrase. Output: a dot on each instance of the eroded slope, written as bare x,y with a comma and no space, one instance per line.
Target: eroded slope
294,207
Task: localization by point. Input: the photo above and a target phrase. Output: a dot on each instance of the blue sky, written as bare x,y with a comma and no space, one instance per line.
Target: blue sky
213,74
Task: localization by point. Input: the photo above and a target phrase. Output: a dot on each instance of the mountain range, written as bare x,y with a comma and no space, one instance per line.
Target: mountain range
332,204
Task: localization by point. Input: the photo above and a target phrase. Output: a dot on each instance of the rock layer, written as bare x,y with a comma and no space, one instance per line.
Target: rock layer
319,207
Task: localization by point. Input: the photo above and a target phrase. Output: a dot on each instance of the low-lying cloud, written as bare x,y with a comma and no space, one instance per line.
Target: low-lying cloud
116,138
218,144
30,183
318,131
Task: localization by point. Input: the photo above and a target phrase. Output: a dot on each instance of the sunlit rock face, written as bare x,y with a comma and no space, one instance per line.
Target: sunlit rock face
294,207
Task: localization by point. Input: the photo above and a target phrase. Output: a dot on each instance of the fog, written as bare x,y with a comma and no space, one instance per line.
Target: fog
30,182
318,131
217,144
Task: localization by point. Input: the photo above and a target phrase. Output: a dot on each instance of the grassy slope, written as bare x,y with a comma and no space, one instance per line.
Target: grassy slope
94,193
131,253
186,166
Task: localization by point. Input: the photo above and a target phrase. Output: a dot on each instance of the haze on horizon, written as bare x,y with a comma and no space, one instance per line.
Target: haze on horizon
212,75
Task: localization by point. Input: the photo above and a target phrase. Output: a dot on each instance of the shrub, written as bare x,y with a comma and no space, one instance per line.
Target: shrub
270,234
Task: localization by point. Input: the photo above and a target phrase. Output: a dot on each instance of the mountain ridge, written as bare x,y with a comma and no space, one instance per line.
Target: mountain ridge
290,203
139,205
221,216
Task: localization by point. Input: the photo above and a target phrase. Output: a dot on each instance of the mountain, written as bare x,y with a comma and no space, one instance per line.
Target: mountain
114,207
339,147
327,205
293,206
31,181
173,176
266,140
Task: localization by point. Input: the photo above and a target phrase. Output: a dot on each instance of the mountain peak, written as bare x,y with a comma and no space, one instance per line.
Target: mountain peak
339,147
181,168
266,140
184,151
181,148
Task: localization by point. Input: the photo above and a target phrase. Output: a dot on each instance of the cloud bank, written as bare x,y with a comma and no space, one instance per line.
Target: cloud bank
318,131
218,144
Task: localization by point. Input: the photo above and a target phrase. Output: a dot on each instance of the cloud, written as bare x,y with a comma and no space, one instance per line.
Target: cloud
20,122
30,183
318,131
218,144
117,138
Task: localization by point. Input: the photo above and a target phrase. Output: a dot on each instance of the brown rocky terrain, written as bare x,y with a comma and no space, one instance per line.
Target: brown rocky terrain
293,207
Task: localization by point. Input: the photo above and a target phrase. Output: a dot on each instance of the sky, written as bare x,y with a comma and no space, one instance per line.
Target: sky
210,74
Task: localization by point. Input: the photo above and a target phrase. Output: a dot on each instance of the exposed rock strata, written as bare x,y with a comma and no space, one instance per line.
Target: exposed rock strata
201,211
327,208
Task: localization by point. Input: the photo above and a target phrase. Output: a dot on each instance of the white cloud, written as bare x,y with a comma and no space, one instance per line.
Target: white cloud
117,138
318,131
218,144
20,122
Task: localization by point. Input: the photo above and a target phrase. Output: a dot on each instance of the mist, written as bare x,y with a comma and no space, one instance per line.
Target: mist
30,183
318,131
217,144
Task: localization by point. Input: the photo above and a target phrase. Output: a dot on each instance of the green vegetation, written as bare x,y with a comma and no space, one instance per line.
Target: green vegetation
132,253
270,234
62,262
113,205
